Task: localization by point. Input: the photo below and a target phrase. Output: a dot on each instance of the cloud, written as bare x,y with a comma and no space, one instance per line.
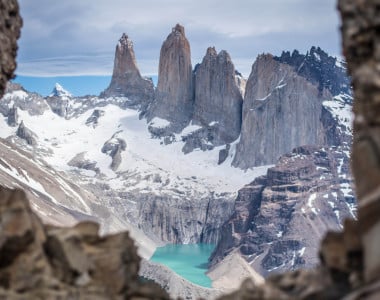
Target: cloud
76,37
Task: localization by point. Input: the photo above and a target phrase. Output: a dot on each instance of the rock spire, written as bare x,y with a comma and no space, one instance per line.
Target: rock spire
217,97
175,93
126,78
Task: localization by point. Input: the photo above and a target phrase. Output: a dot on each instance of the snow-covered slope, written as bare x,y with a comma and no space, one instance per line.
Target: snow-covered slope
151,181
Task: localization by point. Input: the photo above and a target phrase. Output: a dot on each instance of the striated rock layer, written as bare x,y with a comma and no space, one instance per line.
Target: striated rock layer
174,98
217,96
126,78
280,218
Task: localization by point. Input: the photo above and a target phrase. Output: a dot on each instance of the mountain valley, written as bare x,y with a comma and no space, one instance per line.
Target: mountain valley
259,167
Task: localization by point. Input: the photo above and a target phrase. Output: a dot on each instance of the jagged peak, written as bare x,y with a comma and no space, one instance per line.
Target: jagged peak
178,29
59,91
211,51
125,41
224,54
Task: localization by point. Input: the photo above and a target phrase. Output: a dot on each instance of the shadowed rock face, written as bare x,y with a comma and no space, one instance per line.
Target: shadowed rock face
281,110
126,78
175,93
10,25
217,96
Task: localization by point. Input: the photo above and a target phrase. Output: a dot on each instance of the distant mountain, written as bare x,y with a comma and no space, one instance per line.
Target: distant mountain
59,91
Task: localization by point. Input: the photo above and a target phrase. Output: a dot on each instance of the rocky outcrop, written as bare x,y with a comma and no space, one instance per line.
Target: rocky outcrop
79,161
12,117
10,28
93,120
316,66
174,98
280,218
26,134
126,78
217,96
281,110
113,147
47,262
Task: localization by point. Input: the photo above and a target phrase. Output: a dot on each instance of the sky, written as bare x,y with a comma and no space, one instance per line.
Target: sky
78,37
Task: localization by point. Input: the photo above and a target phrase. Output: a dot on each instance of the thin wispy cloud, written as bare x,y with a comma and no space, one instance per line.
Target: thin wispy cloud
79,37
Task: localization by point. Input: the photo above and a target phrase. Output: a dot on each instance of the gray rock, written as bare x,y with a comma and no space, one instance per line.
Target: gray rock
319,68
177,217
174,98
12,117
79,161
202,139
26,134
94,118
281,110
217,96
126,78
113,147
223,154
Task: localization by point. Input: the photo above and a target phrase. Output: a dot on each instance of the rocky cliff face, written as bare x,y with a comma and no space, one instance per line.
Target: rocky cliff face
281,110
183,220
280,218
218,100
175,89
126,78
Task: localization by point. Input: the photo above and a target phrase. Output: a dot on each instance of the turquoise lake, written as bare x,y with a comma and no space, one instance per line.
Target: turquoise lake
189,261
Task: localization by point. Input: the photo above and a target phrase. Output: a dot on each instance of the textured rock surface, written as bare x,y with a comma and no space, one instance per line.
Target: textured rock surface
280,218
26,134
10,26
174,98
113,147
126,78
183,220
217,96
47,262
281,110
93,120
318,67
12,117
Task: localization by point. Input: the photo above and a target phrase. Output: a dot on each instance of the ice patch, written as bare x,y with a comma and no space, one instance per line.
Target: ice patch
159,122
310,203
